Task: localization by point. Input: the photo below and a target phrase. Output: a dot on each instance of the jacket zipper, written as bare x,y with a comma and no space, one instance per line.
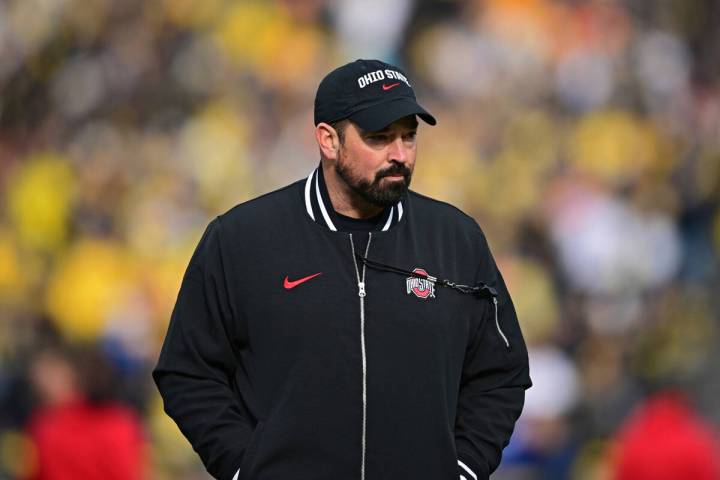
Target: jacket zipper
497,324
361,295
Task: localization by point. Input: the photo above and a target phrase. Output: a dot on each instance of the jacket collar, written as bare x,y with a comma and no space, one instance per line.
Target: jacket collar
319,207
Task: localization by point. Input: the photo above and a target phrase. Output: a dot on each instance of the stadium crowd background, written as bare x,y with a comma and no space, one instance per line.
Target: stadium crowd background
584,135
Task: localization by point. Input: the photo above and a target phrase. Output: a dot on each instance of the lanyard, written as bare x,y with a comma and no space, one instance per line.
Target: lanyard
481,290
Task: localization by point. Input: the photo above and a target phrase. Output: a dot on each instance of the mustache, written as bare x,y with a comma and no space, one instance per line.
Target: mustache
396,169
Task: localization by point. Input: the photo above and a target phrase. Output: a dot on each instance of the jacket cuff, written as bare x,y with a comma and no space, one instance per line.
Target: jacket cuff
465,472
470,469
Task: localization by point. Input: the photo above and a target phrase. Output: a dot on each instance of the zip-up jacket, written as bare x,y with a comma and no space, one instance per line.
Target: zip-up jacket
289,357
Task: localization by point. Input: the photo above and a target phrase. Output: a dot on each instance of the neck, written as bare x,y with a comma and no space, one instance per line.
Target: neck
344,199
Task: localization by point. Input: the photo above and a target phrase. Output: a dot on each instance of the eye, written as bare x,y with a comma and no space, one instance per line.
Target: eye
377,138
410,136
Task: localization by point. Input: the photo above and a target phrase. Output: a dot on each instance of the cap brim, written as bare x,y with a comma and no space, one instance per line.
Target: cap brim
380,116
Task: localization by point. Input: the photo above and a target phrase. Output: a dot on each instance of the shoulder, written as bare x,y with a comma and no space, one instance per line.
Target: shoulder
453,229
252,218
439,214
278,206
448,224
271,202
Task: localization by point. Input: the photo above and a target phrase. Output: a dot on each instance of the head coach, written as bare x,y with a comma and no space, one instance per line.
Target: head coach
345,327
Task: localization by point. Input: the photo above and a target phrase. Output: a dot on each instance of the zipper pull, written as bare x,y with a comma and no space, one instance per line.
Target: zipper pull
497,323
361,289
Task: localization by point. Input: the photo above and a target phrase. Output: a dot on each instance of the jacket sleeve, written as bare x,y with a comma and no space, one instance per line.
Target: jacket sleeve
197,363
494,379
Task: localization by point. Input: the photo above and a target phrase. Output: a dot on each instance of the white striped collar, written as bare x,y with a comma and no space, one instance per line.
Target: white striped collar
316,201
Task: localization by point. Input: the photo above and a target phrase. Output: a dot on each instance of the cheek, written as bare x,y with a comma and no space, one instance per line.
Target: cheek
357,164
411,159
368,163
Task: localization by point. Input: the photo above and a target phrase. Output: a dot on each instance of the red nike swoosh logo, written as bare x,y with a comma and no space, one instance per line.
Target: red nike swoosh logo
388,87
288,284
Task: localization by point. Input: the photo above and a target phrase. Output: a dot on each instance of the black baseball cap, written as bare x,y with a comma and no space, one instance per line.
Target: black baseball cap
370,93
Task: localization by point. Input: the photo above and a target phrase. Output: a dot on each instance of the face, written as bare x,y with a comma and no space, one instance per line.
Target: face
378,165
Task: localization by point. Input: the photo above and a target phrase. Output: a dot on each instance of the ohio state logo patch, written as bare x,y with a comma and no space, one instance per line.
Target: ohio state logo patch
421,287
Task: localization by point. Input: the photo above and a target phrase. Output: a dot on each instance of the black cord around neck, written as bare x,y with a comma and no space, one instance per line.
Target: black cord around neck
480,289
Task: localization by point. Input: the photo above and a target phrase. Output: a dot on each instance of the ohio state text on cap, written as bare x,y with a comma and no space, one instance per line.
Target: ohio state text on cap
370,93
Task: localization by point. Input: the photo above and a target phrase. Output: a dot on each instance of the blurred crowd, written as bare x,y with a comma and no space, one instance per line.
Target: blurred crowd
583,135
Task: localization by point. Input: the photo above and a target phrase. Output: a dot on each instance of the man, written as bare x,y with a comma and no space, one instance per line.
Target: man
311,338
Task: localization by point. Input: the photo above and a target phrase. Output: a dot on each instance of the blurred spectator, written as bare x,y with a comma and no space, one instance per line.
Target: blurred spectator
543,442
80,431
665,440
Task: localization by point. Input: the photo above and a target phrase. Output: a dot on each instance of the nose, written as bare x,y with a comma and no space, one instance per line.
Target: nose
398,151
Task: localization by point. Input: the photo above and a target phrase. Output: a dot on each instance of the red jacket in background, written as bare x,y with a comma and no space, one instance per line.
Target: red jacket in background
88,442
666,440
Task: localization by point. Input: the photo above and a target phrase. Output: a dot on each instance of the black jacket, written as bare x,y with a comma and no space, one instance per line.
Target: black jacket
395,378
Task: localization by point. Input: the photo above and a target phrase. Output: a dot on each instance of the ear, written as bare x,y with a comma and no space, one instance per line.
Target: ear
327,140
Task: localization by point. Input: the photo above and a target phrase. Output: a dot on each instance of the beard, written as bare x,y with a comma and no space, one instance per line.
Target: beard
374,192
